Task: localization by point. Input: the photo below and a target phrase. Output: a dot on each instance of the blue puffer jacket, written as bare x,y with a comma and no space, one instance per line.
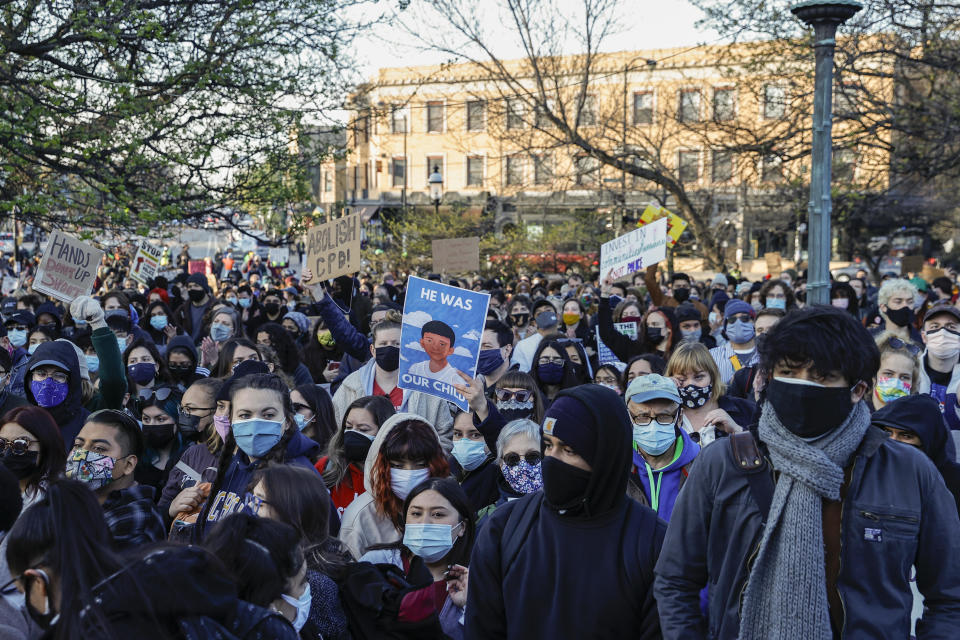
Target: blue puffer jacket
716,526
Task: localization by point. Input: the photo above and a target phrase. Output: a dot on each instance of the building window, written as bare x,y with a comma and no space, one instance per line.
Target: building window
542,120
643,108
772,169
434,161
399,116
514,170
361,129
722,169
435,117
399,172
476,115
475,171
588,170
327,181
543,169
774,102
844,163
588,114
689,106
514,114
688,166
724,104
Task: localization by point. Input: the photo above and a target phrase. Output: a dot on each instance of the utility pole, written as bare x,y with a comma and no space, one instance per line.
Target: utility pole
825,18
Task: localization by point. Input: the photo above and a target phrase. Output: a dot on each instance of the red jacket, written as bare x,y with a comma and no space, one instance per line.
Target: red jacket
349,488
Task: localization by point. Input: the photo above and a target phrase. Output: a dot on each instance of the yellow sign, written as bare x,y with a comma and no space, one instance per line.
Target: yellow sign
675,224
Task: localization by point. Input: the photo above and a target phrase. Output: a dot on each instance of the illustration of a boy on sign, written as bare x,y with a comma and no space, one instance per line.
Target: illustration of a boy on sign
437,340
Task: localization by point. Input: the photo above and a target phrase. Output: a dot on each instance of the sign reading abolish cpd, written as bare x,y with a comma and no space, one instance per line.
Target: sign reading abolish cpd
333,248
634,251
68,268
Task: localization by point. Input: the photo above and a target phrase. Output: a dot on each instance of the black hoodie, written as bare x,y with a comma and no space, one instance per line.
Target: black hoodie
69,414
584,577
921,415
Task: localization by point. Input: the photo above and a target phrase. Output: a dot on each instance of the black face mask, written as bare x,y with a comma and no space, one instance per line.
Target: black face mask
564,486
900,317
520,319
355,446
654,335
180,372
388,358
681,294
196,295
157,436
189,426
24,465
272,308
809,411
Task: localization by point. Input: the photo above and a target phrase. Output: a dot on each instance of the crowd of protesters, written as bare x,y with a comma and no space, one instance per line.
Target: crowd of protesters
227,454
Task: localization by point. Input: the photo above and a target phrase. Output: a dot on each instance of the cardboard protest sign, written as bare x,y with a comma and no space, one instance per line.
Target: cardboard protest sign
773,263
911,264
604,355
634,251
454,255
675,224
279,256
441,333
197,266
68,268
930,273
146,262
333,248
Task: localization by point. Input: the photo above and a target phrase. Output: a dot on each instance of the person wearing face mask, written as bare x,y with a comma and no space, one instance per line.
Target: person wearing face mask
553,370
495,348
105,365
32,449
438,526
899,372
545,319
404,453
658,331
690,323
159,411
379,377
145,368
518,317
895,304
519,460
940,373
182,359
471,460
842,296
271,310
662,451
582,509
609,376
777,294
323,354
18,325
679,290
740,348
190,314
157,322
53,382
297,325
104,456
784,523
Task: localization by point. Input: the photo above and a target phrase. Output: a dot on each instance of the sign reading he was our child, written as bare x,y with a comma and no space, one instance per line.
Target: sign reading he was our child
634,251
441,333
68,268
146,262
333,248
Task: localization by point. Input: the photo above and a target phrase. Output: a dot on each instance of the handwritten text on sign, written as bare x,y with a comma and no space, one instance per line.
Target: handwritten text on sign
68,268
333,248
145,262
634,251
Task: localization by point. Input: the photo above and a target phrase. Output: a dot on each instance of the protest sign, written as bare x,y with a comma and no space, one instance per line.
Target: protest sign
634,251
454,255
604,354
279,256
441,332
9,285
68,268
675,224
145,262
911,264
197,266
333,248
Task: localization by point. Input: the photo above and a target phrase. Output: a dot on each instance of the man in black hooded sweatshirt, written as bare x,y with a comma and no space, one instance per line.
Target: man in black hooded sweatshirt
575,560
52,381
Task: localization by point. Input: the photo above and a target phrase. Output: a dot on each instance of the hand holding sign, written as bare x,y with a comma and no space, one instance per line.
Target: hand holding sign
634,251
472,390
68,268
306,277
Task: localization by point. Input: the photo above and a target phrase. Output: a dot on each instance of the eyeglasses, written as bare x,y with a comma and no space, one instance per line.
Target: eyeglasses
740,317
569,340
513,459
252,503
549,360
661,418
897,343
160,393
43,374
18,446
521,396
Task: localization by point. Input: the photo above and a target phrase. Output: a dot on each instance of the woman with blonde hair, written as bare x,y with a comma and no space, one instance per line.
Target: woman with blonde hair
707,412
899,370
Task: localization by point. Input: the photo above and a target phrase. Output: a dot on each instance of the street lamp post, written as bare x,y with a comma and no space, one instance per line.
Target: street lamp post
825,17
436,188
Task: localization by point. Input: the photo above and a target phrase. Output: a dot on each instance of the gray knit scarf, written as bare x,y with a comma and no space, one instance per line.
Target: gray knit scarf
786,596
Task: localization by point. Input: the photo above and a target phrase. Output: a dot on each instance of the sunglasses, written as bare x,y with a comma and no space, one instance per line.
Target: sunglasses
513,459
521,396
17,446
897,343
160,393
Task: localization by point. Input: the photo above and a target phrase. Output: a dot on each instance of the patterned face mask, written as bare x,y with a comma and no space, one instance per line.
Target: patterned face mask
90,467
695,397
523,477
514,410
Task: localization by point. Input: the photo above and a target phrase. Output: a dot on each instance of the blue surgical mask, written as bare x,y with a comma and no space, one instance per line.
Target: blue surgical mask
740,332
245,302
220,332
301,420
302,605
431,542
402,481
489,361
469,453
33,348
18,337
691,336
158,322
232,301
776,303
654,438
257,437
122,343
93,363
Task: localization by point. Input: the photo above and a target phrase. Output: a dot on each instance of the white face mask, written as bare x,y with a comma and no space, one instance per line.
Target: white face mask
943,343
302,605
402,481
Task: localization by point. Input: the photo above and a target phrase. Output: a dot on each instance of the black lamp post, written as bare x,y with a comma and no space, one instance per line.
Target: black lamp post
436,188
